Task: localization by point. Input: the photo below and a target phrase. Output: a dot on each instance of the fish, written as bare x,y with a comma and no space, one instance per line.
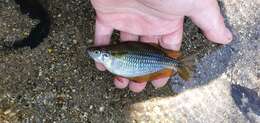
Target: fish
141,62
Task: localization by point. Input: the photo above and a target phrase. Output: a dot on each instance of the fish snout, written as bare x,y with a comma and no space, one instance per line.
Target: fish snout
89,52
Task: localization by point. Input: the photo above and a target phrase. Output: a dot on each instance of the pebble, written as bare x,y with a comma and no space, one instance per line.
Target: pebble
74,41
101,109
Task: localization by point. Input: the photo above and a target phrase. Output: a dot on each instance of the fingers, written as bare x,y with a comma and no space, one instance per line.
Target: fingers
102,37
137,87
150,39
207,16
121,82
124,36
102,33
173,40
160,82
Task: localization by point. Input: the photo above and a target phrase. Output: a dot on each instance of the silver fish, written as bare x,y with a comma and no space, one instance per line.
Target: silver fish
140,60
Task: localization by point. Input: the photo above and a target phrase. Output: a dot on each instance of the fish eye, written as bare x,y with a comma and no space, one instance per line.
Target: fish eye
97,52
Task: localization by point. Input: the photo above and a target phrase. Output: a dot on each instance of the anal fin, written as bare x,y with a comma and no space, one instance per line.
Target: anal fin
157,75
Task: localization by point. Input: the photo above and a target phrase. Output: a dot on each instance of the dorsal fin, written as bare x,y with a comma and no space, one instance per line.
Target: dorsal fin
171,53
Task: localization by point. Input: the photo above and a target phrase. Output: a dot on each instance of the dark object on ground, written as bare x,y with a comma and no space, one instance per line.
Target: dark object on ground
246,99
35,11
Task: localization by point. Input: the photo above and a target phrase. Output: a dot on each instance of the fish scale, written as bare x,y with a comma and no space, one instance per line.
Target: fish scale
141,64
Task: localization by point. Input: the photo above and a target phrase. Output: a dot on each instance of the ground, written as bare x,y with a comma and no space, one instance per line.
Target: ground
57,81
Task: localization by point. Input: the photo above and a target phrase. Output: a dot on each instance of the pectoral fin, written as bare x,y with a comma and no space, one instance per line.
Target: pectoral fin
157,75
184,73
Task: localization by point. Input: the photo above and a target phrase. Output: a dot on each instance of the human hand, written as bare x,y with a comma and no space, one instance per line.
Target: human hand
156,21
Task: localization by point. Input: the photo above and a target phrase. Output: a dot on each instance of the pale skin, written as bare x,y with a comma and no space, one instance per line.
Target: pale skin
156,21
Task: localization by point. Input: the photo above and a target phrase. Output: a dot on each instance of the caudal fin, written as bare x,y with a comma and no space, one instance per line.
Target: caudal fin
185,69
184,72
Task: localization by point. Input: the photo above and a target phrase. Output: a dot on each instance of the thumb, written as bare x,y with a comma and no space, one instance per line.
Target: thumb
206,15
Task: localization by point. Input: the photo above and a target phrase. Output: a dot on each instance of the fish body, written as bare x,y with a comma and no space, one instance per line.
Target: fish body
136,59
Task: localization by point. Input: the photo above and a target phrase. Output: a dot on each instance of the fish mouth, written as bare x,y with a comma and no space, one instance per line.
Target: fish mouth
89,54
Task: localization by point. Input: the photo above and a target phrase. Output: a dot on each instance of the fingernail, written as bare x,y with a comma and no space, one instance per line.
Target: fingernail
120,82
136,87
160,82
228,34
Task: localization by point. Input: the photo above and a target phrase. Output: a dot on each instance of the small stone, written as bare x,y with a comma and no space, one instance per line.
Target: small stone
74,41
89,41
85,115
50,50
7,111
40,73
91,107
102,108
25,33
156,109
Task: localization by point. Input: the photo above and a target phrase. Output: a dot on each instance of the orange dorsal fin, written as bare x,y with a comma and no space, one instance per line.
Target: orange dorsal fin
171,53
157,75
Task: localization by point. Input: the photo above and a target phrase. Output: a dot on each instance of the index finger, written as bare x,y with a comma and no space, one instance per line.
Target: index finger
102,37
102,33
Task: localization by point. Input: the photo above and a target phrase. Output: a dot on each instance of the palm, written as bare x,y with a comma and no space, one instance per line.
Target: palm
145,25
